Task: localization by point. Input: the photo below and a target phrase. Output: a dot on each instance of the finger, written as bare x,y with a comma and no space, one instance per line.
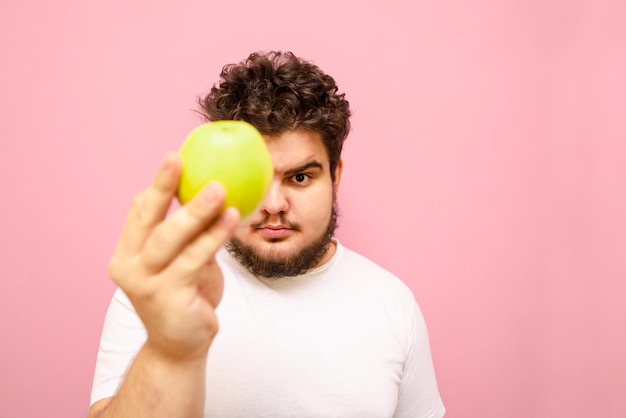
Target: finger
150,206
171,236
202,250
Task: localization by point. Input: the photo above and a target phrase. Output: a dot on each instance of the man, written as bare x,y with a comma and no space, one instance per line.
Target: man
307,328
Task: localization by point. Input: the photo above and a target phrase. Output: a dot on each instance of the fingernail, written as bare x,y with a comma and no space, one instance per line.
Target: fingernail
229,216
210,192
168,161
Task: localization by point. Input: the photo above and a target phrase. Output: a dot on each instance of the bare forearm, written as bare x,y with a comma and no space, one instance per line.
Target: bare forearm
160,387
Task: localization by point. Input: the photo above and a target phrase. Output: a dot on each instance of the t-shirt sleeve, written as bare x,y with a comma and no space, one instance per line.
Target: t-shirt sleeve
418,394
123,335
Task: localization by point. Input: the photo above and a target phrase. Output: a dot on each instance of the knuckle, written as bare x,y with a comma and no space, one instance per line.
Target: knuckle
202,209
120,271
137,202
140,211
142,216
129,277
115,269
158,239
213,328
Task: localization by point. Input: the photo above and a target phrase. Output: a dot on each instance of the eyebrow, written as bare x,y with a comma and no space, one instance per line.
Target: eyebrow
304,167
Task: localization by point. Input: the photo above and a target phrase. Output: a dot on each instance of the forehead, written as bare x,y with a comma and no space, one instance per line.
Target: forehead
296,148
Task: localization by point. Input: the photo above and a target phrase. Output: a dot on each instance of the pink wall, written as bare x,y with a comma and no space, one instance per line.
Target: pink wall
486,167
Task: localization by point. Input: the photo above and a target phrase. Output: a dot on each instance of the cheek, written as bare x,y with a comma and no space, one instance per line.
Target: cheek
318,210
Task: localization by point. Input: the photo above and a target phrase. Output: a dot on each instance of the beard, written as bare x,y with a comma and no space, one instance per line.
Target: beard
289,265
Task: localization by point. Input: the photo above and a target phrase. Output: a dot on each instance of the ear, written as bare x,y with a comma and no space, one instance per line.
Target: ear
338,172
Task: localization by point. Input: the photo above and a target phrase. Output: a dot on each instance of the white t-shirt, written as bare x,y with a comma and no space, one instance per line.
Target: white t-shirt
346,339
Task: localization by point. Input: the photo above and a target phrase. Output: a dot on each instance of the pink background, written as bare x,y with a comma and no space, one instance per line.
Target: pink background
486,167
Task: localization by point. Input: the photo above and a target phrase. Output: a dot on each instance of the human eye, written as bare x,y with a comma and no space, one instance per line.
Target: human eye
301,179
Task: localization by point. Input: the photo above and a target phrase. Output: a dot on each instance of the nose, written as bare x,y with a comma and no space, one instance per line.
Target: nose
275,201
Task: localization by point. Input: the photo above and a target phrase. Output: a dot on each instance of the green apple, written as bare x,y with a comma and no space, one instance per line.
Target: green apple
232,153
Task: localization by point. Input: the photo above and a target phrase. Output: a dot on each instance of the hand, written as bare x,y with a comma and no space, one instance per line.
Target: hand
166,265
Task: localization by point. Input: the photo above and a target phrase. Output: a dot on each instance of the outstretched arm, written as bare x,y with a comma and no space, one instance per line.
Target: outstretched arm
166,266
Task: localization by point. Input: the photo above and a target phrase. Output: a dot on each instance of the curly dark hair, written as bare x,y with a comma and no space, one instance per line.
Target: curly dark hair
278,92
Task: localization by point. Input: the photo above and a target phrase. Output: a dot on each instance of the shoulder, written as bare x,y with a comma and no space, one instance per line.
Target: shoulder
351,260
365,274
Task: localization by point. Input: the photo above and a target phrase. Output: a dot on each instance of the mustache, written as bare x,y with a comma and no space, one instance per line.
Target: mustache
283,221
